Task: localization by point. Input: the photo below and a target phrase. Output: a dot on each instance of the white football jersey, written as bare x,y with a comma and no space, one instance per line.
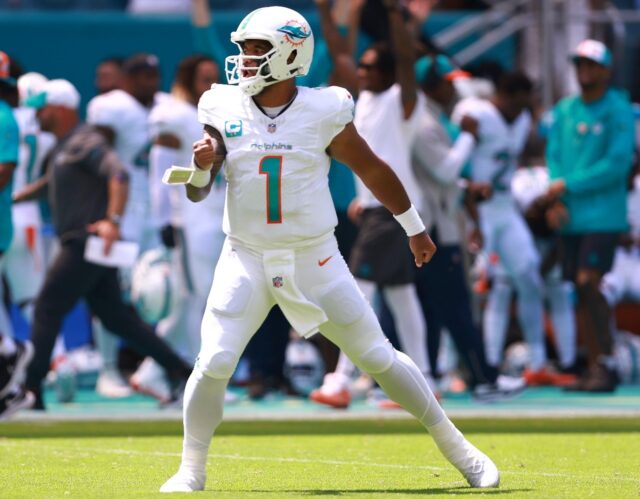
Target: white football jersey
180,119
277,169
34,146
528,184
499,146
128,118
380,120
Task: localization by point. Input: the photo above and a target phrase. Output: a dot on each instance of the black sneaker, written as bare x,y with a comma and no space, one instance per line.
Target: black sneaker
504,388
15,400
12,367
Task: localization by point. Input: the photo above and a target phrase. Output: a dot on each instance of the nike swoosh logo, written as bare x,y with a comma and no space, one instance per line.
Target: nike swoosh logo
322,262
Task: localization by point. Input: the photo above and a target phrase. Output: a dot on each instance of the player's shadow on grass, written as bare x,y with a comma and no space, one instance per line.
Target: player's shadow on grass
462,490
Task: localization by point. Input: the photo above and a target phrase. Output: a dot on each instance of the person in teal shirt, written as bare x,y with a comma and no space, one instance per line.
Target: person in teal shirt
589,155
9,145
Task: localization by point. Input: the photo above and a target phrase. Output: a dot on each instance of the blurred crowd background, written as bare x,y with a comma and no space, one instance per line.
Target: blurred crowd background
91,43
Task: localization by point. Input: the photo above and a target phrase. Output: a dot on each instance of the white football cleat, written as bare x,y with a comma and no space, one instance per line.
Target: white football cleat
111,385
184,481
475,466
150,380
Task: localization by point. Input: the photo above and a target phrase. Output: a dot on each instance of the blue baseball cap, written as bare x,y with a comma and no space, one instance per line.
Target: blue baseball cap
594,51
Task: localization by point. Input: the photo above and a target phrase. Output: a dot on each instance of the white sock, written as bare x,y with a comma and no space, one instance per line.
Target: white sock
405,384
7,345
345,368
496,321
203,408
563,318
410,323
531,318
107,344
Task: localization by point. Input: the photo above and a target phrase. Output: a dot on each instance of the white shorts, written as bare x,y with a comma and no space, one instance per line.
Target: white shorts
245,287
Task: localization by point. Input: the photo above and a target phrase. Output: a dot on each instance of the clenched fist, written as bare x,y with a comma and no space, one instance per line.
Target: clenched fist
207,152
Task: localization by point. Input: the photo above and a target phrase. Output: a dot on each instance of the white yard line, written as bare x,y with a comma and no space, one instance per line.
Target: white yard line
78,450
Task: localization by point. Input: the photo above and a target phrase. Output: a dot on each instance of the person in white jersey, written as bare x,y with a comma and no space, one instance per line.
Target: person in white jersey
194,248
387,114
24,263
504,123
276,140
544,216
122,115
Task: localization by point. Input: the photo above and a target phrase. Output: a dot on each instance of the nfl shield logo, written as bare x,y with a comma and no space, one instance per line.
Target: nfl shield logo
271,127
277,282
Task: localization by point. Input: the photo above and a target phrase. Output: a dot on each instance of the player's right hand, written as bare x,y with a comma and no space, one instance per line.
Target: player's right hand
422,247
204,153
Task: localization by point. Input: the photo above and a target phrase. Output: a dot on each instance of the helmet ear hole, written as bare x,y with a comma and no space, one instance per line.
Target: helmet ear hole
292,57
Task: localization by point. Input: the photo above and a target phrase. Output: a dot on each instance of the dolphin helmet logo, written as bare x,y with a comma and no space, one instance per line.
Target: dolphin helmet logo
294,32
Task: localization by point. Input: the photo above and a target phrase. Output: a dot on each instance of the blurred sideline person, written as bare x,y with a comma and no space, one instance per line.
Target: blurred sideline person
122,115
87,187
25,263
544,216
589,155
386,115
191,231
440,153
504,123
276,140
109,75
9,156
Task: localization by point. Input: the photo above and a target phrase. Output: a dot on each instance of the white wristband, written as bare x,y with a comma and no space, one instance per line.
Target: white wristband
410,221
199,178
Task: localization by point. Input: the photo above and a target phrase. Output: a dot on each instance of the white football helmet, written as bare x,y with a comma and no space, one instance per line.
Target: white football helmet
152,285
289,35
303,366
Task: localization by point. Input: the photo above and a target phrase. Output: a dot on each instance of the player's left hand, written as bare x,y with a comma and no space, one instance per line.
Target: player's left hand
422,248
557,188
107,230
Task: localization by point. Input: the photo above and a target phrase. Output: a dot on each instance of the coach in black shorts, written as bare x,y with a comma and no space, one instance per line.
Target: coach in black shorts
87,188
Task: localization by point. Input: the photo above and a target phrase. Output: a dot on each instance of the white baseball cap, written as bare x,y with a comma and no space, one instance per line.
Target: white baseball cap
55,93
594,51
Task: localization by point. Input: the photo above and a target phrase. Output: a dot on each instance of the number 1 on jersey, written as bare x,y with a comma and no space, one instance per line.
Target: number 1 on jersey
271,166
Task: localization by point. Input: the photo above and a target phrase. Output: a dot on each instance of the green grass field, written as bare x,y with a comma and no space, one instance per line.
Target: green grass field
538,458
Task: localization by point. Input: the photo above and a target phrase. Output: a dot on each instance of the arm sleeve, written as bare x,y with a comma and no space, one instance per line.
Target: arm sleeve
442,161
615,164
109,164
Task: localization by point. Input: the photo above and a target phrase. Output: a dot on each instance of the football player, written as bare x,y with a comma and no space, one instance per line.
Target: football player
276,140
504,122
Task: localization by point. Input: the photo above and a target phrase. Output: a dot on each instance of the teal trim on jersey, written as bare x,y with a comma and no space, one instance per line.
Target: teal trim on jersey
31,141
37,101
233,128
9,148
590,147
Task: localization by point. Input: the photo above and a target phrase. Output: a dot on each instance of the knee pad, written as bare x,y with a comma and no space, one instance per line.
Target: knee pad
342,301
378,358
220,365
